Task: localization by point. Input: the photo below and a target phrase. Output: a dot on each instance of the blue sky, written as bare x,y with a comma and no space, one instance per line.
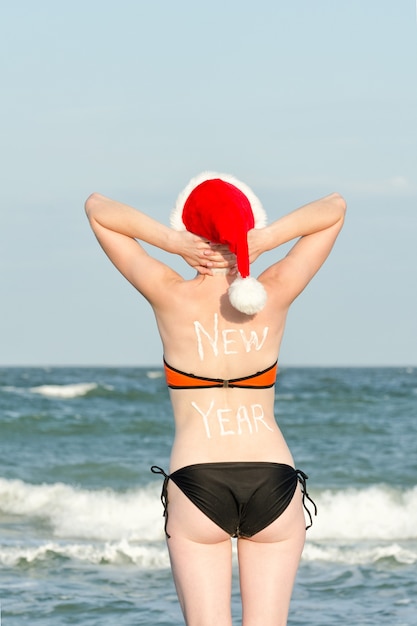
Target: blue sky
133,98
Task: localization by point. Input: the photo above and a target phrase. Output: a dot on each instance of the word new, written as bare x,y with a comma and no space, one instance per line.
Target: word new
229,339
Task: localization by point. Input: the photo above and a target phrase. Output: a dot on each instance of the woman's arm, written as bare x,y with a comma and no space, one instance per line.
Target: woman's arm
307,220
118,226
316,226
120,218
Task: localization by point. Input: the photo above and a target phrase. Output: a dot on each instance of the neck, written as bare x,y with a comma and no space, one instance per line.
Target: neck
220,271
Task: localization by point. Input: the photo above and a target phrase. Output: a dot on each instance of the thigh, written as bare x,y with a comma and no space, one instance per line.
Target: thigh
201,561
268,564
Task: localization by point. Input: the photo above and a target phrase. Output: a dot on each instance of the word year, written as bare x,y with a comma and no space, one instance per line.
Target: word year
227,422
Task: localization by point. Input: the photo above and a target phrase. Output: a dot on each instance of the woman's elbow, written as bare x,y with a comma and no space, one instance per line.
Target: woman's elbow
92,203
341,203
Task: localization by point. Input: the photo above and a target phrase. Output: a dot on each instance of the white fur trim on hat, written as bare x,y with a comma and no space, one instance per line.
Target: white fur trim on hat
258,211
247,295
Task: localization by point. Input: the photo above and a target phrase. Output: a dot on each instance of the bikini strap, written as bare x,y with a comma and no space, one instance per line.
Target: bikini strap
302,478
155,469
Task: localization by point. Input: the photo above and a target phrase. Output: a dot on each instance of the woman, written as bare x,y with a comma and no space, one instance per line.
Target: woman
231,472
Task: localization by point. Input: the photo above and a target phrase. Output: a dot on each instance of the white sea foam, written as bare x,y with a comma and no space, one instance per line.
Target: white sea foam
80,513
154,373
364,526
353,525
155,556
376,512
359,554
64,391
122,552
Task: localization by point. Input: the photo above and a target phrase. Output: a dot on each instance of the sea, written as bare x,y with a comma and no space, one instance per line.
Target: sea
81,526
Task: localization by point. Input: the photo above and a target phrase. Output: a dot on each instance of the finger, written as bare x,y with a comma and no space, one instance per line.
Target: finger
224,260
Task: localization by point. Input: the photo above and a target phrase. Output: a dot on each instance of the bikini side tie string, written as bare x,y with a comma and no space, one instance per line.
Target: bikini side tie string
155,469
302,478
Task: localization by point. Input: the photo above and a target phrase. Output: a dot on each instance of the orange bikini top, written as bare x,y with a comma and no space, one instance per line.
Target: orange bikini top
181,380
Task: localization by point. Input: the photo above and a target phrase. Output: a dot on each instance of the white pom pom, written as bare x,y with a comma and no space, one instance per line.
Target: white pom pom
247,295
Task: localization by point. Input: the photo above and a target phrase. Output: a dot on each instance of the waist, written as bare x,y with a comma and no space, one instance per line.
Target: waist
211,430
260,447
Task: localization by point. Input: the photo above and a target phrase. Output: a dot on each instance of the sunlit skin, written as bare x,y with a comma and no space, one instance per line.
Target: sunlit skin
203,334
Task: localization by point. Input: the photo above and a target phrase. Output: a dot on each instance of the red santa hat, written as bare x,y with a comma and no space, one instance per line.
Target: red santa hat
223,209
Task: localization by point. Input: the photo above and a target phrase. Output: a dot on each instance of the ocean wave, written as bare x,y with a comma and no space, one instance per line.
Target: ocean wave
120,553
155,556
360,554
86,514
154,374
81,389
377,513
74,390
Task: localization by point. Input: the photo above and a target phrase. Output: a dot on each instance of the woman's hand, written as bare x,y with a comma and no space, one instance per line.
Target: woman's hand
203,255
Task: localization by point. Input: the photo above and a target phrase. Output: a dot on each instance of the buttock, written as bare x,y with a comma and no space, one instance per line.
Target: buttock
242,498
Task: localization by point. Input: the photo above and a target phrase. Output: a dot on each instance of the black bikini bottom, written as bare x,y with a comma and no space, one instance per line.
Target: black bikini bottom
242,498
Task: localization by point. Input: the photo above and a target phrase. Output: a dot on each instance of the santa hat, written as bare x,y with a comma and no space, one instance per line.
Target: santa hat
223,209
